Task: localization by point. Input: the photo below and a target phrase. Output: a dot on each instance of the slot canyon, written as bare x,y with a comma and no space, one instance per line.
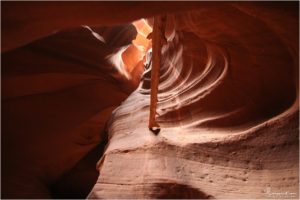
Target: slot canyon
75,100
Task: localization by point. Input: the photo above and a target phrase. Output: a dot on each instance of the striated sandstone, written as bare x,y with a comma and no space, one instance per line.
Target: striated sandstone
227,107
228,101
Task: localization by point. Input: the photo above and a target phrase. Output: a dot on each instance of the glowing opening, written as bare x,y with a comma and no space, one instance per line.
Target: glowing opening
143,29
129,59
135,53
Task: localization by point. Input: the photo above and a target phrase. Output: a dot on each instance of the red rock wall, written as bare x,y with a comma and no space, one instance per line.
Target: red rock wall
57,94
58,88
228,111
228,101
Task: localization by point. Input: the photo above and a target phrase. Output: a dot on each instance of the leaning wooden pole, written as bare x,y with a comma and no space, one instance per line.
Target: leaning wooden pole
158,39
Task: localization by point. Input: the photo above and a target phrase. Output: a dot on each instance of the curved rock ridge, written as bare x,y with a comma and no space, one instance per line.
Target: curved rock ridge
53,108
225,80
227,107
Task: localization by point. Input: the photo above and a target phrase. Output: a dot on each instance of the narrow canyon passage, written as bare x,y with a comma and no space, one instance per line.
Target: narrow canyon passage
76,97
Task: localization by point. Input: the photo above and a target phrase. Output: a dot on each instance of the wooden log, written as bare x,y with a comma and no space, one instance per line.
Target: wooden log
158,39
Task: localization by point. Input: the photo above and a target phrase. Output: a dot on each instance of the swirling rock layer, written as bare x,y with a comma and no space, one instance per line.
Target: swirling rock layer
228,111
53,107
228,101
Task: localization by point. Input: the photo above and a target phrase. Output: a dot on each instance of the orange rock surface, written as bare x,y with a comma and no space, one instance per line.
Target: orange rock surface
228,101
